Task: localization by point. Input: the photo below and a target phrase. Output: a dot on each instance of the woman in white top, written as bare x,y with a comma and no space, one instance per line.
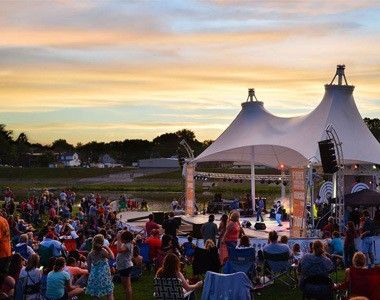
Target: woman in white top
33,275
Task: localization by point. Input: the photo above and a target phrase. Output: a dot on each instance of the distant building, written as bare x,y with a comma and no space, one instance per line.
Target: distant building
171,162
70,159
108,162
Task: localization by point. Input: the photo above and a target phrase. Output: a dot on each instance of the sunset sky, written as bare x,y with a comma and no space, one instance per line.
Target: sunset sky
111,70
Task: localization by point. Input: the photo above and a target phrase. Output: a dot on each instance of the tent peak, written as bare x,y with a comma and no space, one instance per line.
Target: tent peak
251,95
340,74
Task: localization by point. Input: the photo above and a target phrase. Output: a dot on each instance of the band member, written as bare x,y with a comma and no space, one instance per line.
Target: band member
279,213
259,210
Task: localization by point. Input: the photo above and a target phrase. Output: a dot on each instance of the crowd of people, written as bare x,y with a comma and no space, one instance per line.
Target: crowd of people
50,249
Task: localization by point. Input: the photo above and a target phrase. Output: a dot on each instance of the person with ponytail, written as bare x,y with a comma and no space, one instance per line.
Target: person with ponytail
100,280
58,285
316,263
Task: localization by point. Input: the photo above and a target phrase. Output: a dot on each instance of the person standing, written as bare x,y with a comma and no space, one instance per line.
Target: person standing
279,213
5,244
349,244
100,279
124,260
209,230
367,233
170,226
222,228
150,225
259,210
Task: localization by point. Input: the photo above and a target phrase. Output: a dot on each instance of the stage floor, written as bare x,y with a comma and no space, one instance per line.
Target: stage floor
187,222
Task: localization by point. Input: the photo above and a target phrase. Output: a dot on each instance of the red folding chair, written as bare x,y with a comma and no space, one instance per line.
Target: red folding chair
365,282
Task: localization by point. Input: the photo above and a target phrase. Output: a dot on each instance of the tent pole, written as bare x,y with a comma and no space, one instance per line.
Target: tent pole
253,187
283,191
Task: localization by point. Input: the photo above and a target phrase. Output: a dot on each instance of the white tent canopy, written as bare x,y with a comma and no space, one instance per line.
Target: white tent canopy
258,137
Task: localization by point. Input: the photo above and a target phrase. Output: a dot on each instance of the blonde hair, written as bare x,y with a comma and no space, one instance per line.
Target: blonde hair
97,242
359,260
234,216
209,244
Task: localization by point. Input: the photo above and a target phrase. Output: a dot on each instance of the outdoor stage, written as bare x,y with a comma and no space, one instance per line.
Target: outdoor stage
258,238
188,221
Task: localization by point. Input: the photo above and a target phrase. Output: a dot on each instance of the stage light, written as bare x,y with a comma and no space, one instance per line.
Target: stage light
356,166
282,166
374,167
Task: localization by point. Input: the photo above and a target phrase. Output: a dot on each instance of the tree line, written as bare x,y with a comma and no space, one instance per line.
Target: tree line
20,152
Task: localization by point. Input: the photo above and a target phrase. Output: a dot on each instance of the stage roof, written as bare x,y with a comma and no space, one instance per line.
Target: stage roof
257,136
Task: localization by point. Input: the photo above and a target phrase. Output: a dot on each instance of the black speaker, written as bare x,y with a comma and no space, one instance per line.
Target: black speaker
197,233
328,158
158,217
260,226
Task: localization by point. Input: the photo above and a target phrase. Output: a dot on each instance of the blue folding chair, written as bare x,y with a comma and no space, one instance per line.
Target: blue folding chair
240,260
145,252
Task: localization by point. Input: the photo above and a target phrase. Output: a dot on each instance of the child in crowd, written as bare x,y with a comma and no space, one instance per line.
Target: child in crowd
188,249
336,244
296,253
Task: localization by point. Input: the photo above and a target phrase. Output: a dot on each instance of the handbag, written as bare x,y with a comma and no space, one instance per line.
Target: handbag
34,288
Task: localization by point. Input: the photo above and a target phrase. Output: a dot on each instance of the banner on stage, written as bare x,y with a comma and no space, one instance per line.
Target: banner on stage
190,189
298,199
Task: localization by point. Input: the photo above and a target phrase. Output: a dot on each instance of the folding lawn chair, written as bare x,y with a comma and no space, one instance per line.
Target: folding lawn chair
241,260
278,266
170,289
205,260
227,286
365,282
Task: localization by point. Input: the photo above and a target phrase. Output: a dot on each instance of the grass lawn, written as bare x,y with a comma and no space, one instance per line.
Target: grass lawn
143,289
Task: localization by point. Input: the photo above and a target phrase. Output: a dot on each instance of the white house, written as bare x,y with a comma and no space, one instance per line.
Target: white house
70,159
107,161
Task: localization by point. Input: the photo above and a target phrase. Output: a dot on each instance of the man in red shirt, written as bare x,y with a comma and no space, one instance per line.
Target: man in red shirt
150,225
5,244
154,243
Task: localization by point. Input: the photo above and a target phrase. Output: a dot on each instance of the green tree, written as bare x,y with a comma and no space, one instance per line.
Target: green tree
61,145
373,126
22,149
7,149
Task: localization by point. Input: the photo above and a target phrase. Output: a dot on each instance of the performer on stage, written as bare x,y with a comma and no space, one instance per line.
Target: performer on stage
279,213
259,210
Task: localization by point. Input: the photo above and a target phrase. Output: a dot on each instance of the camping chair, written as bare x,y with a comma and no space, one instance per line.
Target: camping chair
365,282
170,289
145,252
205,260
278,267
227,286
45,254
319,287
241,260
